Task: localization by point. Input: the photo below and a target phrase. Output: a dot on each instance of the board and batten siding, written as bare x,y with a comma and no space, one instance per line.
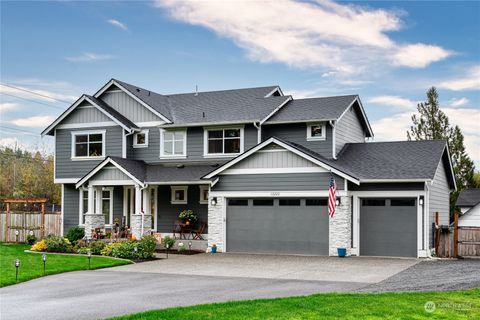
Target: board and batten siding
110,173
440,196
129,107
348,130
277,182
297,133
277,159
86,113
168,212
65,167
195,139
71,207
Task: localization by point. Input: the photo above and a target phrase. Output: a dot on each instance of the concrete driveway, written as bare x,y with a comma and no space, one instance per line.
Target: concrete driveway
188,280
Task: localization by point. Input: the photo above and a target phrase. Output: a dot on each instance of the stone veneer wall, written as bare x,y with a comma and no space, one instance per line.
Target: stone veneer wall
215,223
340,227
137,225
93,221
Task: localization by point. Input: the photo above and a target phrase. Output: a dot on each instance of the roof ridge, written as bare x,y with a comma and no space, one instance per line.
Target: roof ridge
328,97
396,141
210,91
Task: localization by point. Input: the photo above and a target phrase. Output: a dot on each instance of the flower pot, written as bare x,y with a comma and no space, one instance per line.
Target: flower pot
342,252
214,249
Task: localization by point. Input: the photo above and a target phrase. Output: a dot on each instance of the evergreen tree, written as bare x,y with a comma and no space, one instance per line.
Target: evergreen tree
432,123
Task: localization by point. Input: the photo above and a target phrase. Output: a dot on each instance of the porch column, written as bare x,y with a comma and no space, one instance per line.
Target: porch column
141,223
138,200
94,217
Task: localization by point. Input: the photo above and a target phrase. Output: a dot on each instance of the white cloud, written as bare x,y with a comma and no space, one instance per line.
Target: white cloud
118,24
36,94
7,106
419,55
89,57
470,81
457,102
35,121
343,38
395,101
11,142
395,127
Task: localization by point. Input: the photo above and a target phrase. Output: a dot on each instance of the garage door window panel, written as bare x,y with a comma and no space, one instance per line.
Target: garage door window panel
238,202
316,202
289,202
401,202
263,202
374,202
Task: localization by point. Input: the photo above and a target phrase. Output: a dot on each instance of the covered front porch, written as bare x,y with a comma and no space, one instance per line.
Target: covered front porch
124,205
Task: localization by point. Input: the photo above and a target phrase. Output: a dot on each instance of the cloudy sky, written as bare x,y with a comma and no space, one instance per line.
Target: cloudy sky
388,52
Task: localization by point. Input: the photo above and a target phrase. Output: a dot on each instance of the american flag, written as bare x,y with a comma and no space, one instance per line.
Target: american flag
332,197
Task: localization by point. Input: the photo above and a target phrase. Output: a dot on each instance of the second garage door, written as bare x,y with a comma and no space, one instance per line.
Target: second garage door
388,227
279,226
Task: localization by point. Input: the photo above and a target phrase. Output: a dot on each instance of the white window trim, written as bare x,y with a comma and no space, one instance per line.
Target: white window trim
221,155
309,131
78,133
172,195
202,189
173,156
143,145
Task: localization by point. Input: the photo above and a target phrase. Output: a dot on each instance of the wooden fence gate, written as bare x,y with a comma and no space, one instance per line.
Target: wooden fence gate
454,241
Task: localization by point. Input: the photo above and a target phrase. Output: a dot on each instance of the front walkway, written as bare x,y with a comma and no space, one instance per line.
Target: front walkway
188,280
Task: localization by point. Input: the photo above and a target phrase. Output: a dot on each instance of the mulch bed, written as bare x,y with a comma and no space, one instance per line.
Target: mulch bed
185,253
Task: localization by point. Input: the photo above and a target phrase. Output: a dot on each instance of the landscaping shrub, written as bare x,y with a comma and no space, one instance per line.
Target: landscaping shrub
126,250
75,234
39,246
107,250
58,244
31,239
181,248
79,244
83,250
168,241
97,246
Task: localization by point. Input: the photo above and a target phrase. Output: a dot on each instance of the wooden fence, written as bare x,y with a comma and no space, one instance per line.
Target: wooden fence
455,241
24,222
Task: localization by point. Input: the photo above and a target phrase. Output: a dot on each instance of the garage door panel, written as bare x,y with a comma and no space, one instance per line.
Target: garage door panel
388,230
277,229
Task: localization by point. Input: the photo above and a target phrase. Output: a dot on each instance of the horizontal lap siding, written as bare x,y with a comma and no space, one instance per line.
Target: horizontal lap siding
297,133
277,182
439,197
168,213
348,130
71,209
66,168
195,137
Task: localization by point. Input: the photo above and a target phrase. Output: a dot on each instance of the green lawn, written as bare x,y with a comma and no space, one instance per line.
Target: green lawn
31,265
449,305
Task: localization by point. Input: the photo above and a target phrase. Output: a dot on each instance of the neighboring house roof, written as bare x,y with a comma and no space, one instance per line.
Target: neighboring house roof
100,105
400,160
143,173
237,105
468,198
320,109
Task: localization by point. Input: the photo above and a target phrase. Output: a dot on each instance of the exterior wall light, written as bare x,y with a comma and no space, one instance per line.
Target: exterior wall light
213,202
420,201
338,202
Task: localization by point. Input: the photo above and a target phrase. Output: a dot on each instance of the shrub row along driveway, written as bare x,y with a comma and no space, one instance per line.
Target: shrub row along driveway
188,280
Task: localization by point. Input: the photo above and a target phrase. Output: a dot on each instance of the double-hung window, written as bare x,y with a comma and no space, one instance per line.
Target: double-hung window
223,142
88,145
173,144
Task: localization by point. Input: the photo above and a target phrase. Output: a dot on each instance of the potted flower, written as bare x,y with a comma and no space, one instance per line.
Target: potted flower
188,216
214,248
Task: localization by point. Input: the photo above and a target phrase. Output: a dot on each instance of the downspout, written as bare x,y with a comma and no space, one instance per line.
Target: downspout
259,131
334,153
125,142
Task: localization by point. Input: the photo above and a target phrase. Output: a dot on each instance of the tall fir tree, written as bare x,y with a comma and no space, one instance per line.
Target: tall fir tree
432,123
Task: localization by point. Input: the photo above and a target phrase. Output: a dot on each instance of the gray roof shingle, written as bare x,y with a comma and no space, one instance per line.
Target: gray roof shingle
326,108
239,105
400,160
468,198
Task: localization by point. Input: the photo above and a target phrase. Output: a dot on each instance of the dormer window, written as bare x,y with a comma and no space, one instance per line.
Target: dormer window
140,139
316,131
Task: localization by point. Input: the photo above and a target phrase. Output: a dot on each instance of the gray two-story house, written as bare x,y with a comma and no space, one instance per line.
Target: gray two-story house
255,165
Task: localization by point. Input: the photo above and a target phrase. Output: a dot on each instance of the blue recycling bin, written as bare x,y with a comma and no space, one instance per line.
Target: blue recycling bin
342,252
